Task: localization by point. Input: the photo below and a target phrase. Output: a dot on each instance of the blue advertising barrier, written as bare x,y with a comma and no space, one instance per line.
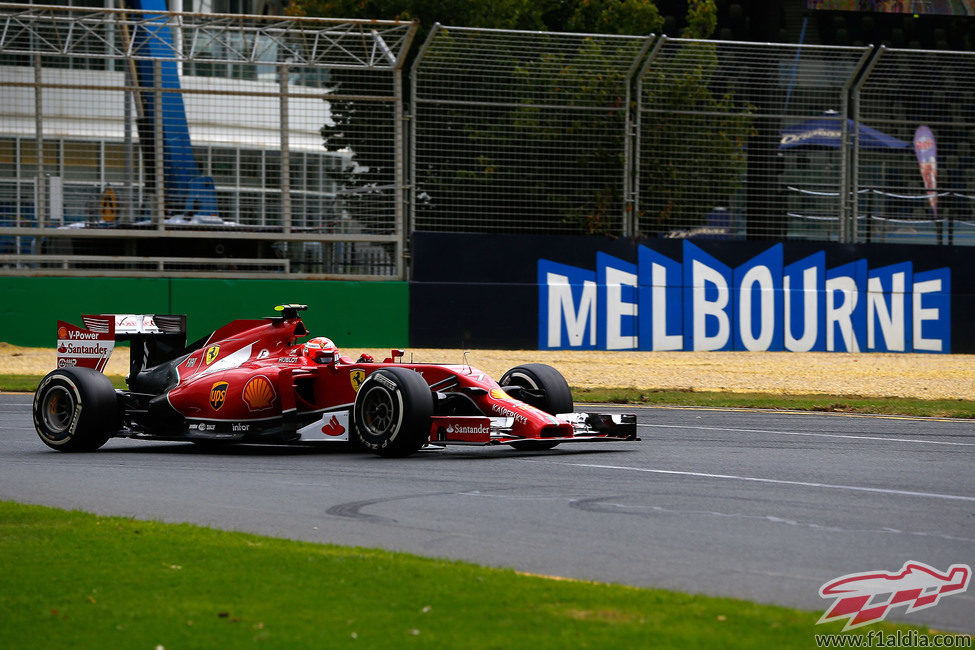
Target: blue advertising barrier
610,294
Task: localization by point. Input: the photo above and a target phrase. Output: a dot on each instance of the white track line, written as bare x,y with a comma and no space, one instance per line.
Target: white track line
818,435
753,479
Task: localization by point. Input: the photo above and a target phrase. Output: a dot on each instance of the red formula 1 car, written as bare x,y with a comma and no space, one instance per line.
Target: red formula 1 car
251,382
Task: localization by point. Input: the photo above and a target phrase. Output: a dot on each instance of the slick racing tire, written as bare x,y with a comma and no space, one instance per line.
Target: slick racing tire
547,391
75,409
392,412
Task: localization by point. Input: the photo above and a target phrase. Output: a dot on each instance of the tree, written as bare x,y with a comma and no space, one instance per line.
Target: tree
364,128
501,14
692,141
488,165
635,17
544,145
702,18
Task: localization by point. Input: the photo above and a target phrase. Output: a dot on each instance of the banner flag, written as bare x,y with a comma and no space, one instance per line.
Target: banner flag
927,159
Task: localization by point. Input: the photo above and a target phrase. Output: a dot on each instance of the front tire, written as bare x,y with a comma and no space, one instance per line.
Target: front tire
75,409
392,412
543,387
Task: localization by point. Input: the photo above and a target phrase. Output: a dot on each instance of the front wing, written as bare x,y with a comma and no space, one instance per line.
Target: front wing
483,430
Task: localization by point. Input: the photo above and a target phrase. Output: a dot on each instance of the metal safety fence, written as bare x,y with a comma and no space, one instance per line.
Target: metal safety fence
659,137
712,157
140,143
922,189
521,131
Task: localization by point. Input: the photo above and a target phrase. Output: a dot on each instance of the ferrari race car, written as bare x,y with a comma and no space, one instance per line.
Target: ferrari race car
252,382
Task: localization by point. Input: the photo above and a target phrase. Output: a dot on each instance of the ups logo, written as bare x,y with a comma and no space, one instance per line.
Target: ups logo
218,394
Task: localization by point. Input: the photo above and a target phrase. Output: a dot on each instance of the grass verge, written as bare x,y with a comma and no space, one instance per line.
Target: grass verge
29,383
72,579
814,402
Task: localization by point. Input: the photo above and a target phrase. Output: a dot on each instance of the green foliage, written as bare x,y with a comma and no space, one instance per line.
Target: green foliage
693,140
501,14
588,16
702,18
366,128
636,17
531,160
563,166
616,17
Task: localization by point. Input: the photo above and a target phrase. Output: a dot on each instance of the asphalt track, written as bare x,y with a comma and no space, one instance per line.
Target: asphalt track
765,506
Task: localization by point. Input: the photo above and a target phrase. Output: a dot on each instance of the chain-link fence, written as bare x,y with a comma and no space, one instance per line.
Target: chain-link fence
140,142
712,157
554,133
924,190
522,131
144,142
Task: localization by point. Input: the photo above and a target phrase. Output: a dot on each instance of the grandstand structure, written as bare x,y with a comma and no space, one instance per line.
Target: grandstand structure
243,179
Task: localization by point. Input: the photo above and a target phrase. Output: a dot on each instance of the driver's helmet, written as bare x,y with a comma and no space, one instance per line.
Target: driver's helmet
316,345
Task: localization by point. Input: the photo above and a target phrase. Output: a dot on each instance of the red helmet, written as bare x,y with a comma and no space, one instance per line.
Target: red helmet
318,344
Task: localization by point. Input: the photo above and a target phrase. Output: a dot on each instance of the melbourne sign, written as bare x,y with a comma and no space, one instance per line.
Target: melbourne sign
701,303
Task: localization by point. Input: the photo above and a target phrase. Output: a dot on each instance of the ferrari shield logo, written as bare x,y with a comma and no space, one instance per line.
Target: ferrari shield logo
357,377
211,354
218,394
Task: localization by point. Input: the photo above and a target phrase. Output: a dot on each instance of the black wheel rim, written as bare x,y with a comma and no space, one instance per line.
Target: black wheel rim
57,411
378,410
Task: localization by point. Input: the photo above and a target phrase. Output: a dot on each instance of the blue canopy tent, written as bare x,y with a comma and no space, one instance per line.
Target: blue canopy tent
827,132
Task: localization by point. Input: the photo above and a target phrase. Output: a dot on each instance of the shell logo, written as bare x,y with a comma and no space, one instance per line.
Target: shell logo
62,332
259,393
497,393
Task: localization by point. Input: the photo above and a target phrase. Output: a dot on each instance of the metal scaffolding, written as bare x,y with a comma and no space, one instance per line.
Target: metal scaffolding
251,164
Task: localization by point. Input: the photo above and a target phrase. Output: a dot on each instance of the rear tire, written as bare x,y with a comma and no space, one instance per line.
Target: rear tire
549,392
75,409
392,412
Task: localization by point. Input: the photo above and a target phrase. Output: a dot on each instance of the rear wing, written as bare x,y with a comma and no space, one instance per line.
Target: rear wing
154,338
